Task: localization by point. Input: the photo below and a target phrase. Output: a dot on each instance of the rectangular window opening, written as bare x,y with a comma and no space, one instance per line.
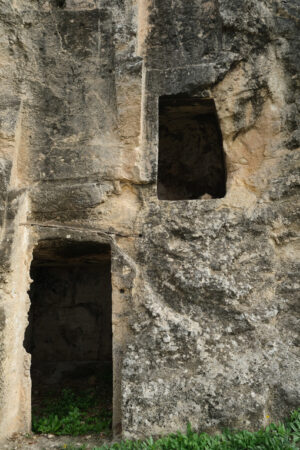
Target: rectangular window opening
191,160
69,335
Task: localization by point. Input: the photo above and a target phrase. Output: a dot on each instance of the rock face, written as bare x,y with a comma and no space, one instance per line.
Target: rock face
205,292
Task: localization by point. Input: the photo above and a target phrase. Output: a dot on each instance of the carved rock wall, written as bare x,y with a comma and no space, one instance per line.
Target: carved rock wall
205,292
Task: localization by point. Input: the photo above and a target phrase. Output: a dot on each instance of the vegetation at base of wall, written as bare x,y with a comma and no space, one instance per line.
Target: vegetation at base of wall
72,414
281,436
74,447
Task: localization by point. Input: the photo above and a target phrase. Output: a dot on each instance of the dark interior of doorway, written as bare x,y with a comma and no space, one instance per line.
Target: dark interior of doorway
69,335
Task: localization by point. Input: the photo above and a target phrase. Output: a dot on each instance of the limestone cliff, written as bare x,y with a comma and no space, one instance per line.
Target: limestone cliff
205,292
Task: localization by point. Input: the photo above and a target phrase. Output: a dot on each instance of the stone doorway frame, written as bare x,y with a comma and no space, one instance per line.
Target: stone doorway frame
122,278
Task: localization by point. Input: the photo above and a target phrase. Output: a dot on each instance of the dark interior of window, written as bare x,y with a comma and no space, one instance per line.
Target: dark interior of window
191,160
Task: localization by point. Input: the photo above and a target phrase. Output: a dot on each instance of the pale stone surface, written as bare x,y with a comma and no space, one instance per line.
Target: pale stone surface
205,292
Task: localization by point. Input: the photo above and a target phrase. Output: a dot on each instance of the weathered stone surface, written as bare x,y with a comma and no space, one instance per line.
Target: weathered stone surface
70,197
205,301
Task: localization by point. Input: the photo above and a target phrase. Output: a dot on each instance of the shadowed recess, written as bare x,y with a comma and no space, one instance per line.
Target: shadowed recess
69,334
191,162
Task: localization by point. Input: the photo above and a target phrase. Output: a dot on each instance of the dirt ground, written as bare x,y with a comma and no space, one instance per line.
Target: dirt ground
49,441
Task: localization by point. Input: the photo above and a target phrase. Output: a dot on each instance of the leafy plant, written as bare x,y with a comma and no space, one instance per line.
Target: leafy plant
281,436
72,414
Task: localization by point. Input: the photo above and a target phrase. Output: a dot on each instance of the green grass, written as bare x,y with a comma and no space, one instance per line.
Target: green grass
281,436
73,414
